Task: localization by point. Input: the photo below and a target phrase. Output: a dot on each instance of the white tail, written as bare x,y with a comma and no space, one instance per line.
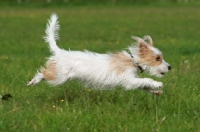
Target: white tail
52,33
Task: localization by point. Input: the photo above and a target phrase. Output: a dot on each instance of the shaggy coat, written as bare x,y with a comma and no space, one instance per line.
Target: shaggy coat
102,70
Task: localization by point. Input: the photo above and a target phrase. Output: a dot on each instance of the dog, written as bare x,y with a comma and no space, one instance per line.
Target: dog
102,71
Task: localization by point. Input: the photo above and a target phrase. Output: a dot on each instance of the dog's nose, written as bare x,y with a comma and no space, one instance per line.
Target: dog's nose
169,67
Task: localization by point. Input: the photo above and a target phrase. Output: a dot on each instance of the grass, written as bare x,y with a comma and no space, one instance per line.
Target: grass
71,107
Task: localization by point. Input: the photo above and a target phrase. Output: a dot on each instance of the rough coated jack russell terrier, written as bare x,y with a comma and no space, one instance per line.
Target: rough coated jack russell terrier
103,71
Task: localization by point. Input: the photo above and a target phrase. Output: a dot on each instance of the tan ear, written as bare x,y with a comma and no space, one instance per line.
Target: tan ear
138,39
148,40
141,43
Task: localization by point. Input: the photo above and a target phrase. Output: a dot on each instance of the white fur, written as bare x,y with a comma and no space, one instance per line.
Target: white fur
94,69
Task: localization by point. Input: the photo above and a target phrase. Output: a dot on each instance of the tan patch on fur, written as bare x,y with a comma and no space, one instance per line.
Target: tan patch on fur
49,72
120,62
148,56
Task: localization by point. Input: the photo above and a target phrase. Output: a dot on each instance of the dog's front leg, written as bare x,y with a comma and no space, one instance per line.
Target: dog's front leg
143,83
151,84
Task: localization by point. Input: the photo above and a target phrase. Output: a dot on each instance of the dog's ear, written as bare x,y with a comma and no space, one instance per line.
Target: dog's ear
148,40
141,43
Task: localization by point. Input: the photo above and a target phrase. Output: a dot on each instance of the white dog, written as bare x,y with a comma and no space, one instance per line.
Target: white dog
103,70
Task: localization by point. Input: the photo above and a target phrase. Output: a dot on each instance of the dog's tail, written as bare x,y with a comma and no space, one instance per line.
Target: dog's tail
52,33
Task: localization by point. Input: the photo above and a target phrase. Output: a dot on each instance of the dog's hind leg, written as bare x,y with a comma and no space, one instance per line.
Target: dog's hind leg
37,78
48,73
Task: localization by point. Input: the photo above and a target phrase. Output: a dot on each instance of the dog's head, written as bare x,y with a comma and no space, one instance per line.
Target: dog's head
145,54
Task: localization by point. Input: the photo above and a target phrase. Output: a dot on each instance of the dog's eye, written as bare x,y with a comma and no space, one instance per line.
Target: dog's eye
158,58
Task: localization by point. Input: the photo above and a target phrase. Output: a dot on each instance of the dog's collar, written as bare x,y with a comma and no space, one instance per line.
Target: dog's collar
141,68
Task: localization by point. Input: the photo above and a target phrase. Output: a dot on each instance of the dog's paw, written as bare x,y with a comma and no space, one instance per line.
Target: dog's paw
156,92
150,83
156,85
32,82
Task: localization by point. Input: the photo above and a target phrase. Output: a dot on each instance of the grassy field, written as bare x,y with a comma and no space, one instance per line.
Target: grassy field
71,107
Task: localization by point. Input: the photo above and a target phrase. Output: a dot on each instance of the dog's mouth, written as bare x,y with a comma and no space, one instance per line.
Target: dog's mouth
162,73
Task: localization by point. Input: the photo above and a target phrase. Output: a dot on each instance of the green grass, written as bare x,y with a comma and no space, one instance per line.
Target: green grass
175,31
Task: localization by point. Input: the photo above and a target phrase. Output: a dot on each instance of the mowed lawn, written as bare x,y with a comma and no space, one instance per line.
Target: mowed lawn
71,107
